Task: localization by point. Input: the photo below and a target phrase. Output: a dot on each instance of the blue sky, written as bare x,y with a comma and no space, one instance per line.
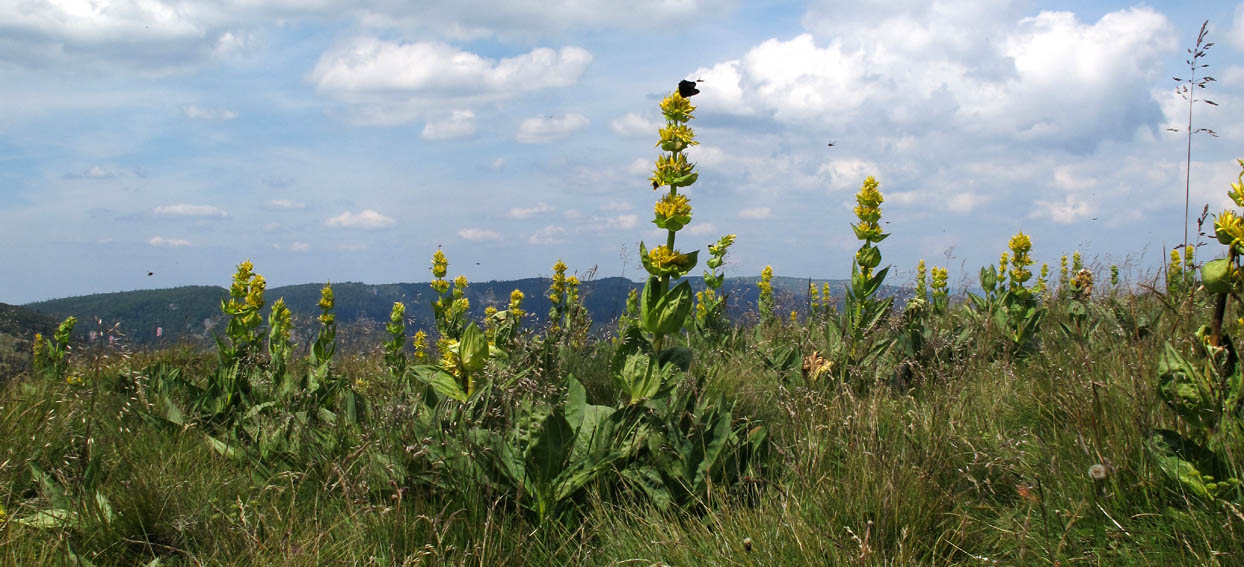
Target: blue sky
344,141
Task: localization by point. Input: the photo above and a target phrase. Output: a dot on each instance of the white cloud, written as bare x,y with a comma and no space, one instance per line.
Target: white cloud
188,210
196,112
963,202
299,247
542,129
756,213
160,241
522,213
479,234
367,219
391,82
640,166
634,125
1048,78
617,206
548,235
847,173
1236,35
459,124
286,204
1071,209
599,224
702,228
98,172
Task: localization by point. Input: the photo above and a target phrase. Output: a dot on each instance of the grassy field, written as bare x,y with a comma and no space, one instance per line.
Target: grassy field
963,453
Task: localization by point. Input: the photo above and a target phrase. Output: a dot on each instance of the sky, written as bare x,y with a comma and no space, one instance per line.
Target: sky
333,140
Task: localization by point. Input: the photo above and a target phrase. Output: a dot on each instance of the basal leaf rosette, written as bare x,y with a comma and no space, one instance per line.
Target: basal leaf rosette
661,261
672,212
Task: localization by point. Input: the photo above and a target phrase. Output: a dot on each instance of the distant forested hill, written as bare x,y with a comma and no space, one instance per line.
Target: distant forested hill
193,313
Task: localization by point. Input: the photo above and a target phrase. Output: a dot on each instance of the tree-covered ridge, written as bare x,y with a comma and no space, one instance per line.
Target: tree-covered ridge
193,312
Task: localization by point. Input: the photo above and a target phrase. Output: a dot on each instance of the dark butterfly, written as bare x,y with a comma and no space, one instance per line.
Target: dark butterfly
687,88
149,274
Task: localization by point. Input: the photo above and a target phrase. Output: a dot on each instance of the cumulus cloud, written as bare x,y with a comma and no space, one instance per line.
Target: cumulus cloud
479,234
188,210
1049,78
702,228
196,112
756,213
371,64
160,241
550,234
299,247
634,125
542,129
1071,209
527,212
368,219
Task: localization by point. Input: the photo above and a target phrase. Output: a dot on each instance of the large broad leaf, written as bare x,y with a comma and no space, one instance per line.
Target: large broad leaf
1186,389
648,480
670,312
1185,462
473,350
551,450
442,382
633,342
576,403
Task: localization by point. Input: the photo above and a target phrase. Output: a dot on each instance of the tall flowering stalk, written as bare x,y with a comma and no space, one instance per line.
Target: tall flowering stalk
941,291
764,302
643,366
326,340
395,347
710,305
243,309
280,328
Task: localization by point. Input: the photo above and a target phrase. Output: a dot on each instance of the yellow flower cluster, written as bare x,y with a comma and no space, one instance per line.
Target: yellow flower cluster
672,206
677,137
557,289
326,305
673,170
662,257
440,265
940,279
719,248
1237,189
1229,228
420,342
1021,246
677,108
868,210
516,304
449,355
921,279
280,321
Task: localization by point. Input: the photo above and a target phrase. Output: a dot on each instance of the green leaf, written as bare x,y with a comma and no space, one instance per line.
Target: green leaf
1183,461
49,519
1186,389
442,382
654,290
576,402
679,356
648,479
671,310
473,350
552,447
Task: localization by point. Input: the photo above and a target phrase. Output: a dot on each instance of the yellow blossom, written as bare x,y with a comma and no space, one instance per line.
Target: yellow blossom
676,108
440,265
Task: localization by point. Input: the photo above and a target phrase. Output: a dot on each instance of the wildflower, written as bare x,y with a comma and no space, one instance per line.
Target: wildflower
1020,246
516,304
279,321
747,544
794,317
765,303
921,274
38,352
815,366
73,379
673,170
440,265
326,305
1043,278
1082,284
420,342
1237,189
557,289
1097,472
663,261
677,137
719,249
672,212
868,210
677,108
460,282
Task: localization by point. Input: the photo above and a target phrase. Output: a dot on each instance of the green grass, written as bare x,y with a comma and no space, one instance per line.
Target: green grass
980,459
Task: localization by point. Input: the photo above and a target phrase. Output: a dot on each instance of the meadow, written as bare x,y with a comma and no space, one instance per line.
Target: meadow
1063,417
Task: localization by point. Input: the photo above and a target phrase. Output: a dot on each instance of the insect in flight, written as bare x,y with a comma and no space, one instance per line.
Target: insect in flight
687,88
